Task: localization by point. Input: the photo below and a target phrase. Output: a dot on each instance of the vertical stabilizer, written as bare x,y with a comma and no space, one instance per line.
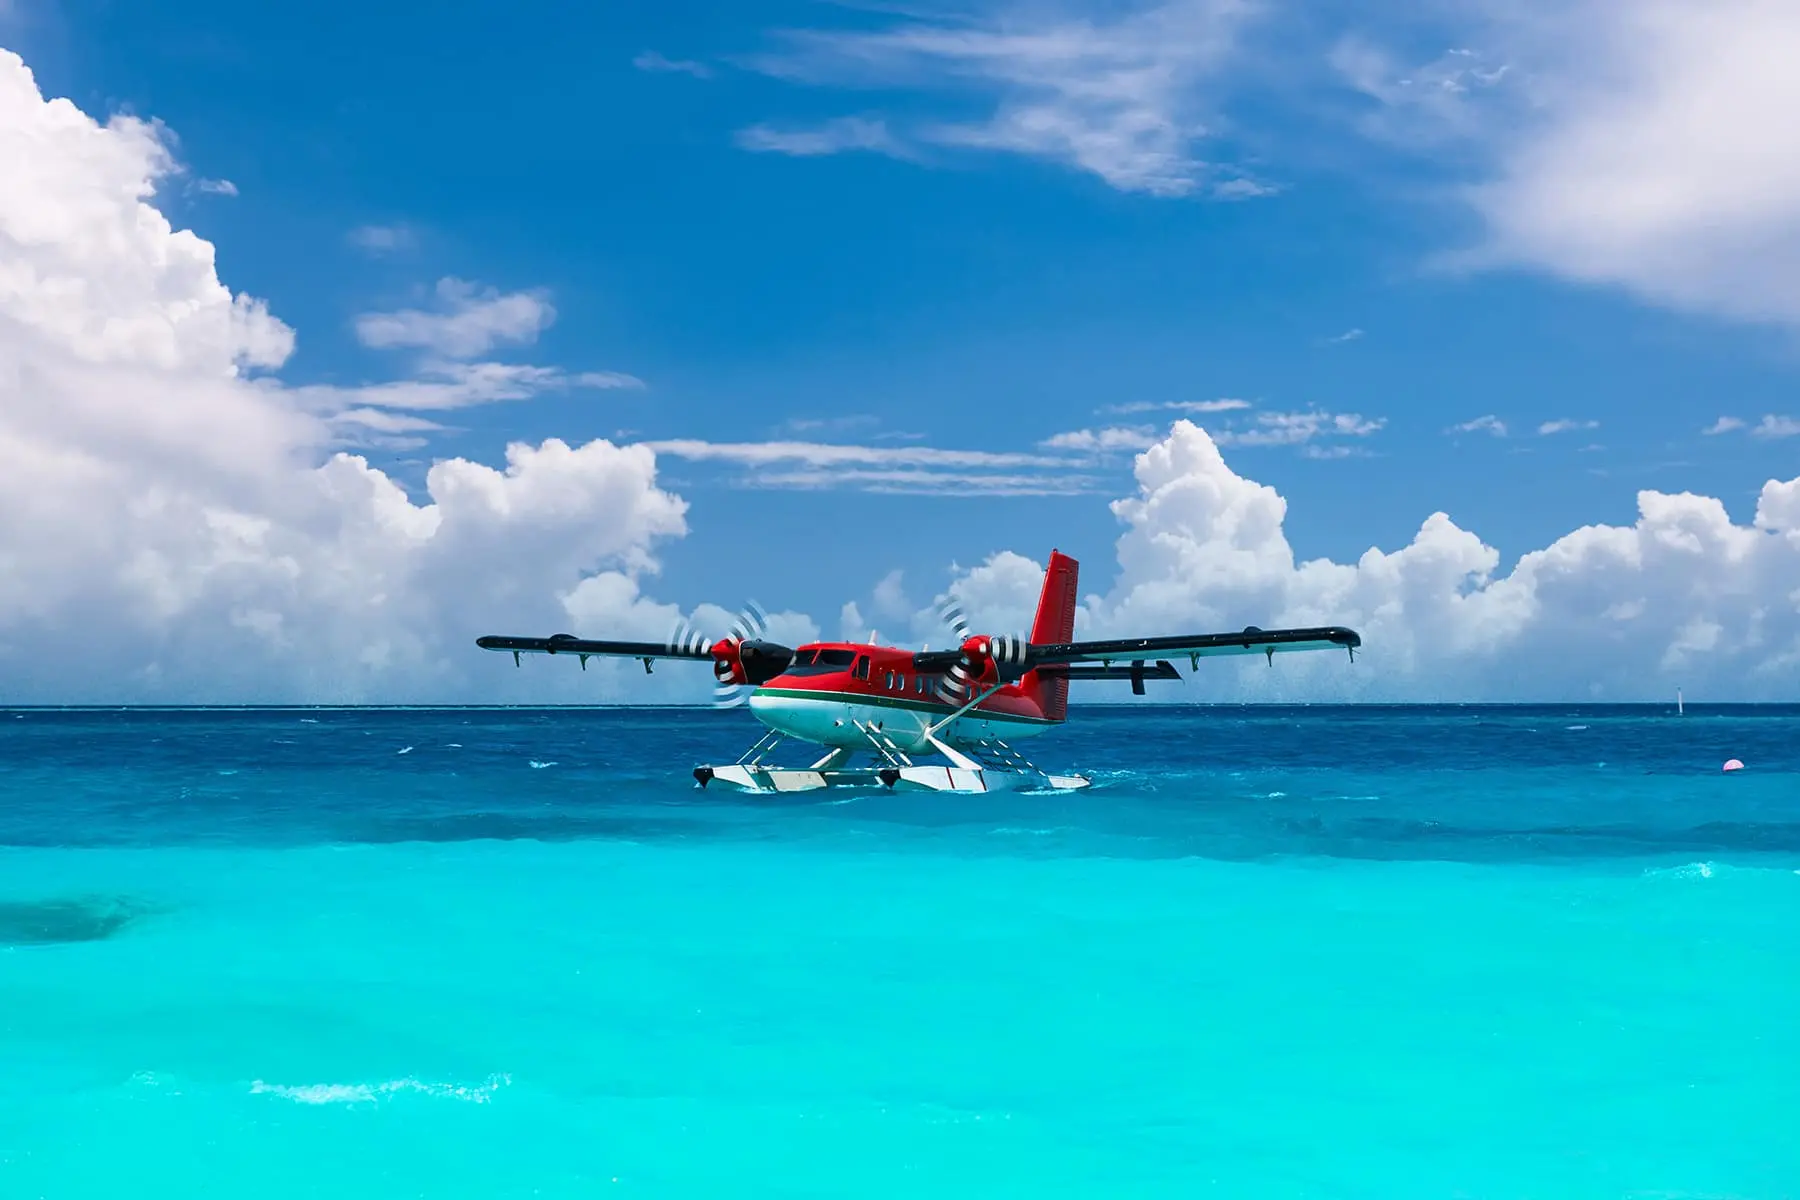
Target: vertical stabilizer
1054,623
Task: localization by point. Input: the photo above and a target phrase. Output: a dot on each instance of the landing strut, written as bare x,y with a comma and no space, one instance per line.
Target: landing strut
986,766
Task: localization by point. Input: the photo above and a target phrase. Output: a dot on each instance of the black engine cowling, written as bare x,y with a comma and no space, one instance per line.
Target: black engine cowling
753,662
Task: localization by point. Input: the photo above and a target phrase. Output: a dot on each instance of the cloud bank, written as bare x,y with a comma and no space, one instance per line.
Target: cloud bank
1683,597
174,521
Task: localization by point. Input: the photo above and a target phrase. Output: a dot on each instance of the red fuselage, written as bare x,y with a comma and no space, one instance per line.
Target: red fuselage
834,690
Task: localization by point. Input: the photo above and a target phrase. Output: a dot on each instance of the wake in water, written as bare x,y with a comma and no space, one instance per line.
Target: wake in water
374,1093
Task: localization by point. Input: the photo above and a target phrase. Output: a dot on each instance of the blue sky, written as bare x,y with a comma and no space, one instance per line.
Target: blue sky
658,175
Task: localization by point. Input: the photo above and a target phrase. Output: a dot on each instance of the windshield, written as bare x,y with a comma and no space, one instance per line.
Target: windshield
821,662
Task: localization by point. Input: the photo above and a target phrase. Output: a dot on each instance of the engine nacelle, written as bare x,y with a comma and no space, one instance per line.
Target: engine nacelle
979,667
753,662
728,662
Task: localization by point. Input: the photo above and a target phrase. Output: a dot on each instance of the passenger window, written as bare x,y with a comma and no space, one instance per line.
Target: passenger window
861,670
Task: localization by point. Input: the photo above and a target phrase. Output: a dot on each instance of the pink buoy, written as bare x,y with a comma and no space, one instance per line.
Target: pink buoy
1733,764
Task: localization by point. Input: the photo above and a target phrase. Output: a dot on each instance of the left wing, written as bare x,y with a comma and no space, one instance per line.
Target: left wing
1197,646
690,647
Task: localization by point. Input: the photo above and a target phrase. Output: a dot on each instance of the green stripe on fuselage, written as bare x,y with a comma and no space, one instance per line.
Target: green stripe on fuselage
940,710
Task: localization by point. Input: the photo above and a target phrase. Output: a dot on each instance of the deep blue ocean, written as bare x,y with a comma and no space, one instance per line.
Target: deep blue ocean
1274,952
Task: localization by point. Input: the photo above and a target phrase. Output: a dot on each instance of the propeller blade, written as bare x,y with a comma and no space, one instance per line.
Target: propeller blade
952,615
751,623
729,695
685,639
747,625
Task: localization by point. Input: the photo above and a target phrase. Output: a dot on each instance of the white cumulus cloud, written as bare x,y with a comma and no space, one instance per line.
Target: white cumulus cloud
1685,596
173,523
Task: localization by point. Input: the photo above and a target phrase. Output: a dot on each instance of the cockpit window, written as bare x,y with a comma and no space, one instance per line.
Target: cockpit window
821,662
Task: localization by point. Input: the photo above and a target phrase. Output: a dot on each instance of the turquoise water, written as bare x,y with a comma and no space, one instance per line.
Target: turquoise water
1275,952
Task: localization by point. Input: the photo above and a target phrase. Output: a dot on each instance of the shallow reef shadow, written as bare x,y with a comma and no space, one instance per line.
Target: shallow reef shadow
76,919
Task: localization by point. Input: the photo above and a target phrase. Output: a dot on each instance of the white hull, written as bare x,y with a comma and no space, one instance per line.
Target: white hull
835,723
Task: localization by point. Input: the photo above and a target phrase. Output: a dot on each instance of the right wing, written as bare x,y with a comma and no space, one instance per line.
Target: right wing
1197,645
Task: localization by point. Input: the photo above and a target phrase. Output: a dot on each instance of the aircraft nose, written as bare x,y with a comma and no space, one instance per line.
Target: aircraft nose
764,709
782,714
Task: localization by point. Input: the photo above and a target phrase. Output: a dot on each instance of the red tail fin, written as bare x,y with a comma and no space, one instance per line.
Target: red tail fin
1055,622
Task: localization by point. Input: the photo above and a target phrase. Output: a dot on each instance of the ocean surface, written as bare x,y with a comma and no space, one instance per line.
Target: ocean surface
1274,952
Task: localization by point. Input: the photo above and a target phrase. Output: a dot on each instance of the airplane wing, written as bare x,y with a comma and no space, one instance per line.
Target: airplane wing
750,661
1197,646
1019,658
567,643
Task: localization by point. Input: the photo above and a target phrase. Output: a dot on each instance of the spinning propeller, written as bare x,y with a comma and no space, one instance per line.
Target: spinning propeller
741,658
976,653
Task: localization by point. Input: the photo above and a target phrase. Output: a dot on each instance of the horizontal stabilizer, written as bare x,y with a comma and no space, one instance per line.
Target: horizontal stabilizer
1161,669
1137,672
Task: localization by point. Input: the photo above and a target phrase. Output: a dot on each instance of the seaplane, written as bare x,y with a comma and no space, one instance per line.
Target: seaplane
926,720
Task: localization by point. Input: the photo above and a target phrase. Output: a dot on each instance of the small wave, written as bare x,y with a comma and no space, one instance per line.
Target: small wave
1276,796
453,745
373,1093
228,770
1711,870
1575,727
1694,870
309,720
538,766
406,750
